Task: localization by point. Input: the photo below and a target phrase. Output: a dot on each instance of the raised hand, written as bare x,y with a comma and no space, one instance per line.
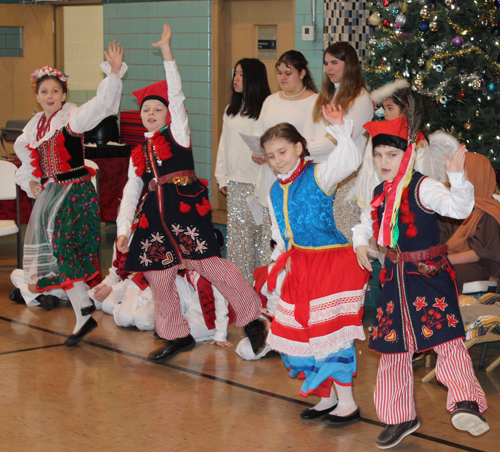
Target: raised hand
114,57
164,43
333,114
457,163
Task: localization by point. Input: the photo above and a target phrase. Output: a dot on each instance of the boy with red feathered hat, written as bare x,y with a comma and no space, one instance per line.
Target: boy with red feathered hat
173,229
418,306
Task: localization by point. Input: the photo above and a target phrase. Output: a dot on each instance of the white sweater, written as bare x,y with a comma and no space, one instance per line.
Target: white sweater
234,157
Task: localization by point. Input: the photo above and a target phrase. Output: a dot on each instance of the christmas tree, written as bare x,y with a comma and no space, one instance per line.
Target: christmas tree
449,51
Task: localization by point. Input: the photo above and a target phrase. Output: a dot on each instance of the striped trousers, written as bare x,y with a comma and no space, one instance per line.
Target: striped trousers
394,400
169,321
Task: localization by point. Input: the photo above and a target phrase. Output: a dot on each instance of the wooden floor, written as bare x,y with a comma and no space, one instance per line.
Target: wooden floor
104,395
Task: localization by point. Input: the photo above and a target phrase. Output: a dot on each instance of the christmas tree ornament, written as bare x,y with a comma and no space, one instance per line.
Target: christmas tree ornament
477,83
421,62
477,114
386,3
491,87
443,99
462,95
387,24
495,31
434,26
423,27
418,83
485,22
401,20
457,42
450,4
468,126
375,19
373,41
424,13
438,67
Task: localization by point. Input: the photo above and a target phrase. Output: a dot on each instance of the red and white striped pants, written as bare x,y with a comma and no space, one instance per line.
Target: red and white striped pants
394,400
169,321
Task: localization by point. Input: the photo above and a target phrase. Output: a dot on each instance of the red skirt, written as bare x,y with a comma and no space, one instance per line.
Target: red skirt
321,304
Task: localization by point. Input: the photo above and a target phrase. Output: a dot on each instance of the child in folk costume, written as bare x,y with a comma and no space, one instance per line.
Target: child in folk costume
175,230
418,306
319,313
63,231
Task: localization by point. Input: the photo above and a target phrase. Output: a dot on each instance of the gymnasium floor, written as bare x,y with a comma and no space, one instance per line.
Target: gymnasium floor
104,395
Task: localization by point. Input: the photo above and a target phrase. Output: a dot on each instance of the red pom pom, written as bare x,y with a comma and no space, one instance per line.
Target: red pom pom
162,148
408,218
184,208
382,276
203,208
374,214
91,170
405,207
411,232
143,222
404,195
138,160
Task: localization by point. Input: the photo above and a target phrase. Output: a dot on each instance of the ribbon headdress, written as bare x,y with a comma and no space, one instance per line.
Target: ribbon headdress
401,134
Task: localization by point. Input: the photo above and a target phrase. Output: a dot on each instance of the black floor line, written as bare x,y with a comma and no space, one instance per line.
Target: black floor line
30,349
221,380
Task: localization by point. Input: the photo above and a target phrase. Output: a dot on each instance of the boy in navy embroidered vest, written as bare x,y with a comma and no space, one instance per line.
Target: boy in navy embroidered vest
174,227
418,306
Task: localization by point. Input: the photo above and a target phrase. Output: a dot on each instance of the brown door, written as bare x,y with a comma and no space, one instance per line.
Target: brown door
240,27
17,99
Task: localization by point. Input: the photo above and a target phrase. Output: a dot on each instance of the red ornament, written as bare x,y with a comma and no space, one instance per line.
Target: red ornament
387,24
386,2
462,95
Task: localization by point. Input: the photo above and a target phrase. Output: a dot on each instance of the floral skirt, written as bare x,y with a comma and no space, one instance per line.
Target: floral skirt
62,236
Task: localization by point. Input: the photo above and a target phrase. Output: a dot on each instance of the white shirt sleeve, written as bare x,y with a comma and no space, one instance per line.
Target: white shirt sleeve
275,233
131,194
24,174
343,161
455,203
221,316
363,231
221,173
179,125
104,104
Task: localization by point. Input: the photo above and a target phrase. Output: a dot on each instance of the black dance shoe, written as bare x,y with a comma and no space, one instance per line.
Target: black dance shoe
394,433
256,333
87,327
16,297
171,348
87,310
466,416
332,419
48,302
311,413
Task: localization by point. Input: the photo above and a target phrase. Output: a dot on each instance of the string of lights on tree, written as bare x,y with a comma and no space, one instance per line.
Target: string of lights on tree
449,50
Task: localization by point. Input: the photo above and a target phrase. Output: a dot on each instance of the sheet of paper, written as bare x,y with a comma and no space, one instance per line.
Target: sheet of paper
256,209
253,142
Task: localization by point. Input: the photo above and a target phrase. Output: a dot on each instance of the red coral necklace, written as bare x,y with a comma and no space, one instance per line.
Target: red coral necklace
44,125
296,173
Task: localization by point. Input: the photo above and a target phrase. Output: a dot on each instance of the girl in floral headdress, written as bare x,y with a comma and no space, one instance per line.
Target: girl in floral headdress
63,235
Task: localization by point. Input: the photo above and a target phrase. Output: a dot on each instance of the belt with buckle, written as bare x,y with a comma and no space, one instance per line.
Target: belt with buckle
416,256
178,178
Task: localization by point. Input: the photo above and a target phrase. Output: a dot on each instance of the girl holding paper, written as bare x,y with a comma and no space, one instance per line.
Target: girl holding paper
236,173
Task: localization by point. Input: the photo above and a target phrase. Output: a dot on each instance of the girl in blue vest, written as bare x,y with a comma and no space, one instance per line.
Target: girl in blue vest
319,313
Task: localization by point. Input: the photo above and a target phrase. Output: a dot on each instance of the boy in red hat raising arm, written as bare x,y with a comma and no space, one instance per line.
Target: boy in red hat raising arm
418,306
173,226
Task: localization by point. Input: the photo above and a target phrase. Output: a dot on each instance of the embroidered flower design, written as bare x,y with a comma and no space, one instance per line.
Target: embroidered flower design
145,260
375,332
145,245
440,304
157,238
390,307
177,229
192,233
452,321
420,303
200,246
380,313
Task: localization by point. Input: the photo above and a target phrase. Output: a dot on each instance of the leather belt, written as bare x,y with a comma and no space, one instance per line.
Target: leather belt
178,178
416,256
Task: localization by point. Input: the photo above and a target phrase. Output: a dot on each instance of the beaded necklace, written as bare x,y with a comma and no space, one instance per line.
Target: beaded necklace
44,125
296,173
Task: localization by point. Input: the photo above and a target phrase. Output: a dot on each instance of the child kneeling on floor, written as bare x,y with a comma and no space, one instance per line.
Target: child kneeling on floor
418,306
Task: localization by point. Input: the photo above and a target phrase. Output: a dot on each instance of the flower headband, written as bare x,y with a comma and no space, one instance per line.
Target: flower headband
48,71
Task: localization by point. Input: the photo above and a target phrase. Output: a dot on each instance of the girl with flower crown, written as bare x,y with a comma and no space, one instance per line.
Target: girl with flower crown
63,233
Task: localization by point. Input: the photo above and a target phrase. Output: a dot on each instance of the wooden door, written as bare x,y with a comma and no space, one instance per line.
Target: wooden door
238,26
